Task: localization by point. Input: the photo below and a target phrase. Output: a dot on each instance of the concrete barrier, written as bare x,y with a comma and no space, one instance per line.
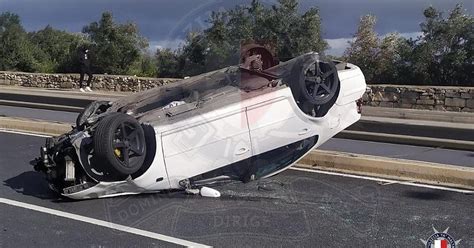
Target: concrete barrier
399,169
34,126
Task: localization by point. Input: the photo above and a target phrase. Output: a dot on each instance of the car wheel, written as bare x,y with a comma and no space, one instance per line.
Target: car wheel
319,82
119,142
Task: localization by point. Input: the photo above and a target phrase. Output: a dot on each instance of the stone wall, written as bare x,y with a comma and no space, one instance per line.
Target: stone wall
393,96
443,98
69,81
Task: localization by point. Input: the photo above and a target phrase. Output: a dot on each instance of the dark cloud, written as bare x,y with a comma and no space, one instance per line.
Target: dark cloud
168,20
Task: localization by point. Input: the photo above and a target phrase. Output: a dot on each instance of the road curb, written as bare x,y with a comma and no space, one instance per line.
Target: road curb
407,140
390,168
34,126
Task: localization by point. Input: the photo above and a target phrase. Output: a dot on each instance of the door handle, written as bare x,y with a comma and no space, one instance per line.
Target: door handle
242,151
304,131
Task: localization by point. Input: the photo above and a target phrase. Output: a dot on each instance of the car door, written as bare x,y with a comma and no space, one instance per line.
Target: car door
275,123
206,142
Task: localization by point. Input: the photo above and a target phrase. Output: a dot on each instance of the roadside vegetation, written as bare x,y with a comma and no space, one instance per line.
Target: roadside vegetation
441,55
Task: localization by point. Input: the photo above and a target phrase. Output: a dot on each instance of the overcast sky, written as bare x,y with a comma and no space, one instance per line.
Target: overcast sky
165,22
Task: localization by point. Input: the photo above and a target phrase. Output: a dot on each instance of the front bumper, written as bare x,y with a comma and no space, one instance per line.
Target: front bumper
60,162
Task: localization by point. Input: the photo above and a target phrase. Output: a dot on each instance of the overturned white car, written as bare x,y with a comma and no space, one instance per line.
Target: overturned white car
242,123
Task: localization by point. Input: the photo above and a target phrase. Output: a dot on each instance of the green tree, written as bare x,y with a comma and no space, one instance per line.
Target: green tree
446,47
442,55
60,48
389,59
295,34
146,66
116,46
363,50
288,33
168,63
192,57
16,50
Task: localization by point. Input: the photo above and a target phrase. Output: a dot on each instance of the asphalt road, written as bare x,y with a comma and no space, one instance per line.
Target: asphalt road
429,154
294,208
42,114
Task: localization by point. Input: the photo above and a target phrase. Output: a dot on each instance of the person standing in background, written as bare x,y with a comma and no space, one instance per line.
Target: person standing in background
85,69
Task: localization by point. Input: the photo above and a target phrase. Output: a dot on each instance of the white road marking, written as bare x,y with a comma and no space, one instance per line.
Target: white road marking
102,223
24,133
389,181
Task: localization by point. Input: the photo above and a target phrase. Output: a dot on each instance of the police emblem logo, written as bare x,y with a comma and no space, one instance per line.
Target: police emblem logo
440,240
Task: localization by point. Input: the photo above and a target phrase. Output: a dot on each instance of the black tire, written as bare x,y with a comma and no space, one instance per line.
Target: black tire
322,110
319,82
119,142
303,90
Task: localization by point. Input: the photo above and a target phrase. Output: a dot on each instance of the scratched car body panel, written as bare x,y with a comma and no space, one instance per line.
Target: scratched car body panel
242,123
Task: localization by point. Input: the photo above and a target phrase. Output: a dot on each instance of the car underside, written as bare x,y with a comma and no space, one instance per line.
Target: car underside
242,123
